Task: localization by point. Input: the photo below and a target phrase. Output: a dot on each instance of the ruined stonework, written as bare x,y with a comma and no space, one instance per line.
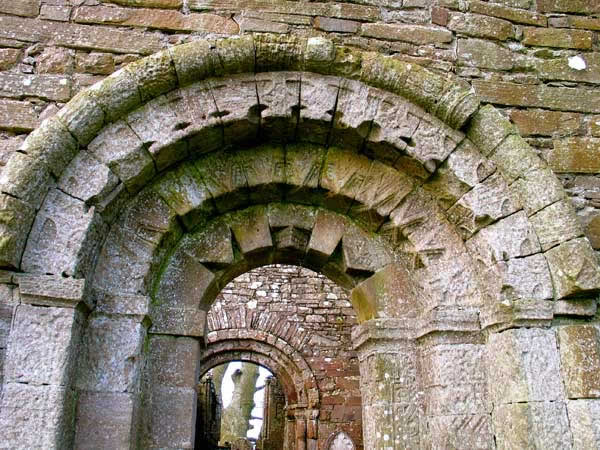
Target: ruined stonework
436,159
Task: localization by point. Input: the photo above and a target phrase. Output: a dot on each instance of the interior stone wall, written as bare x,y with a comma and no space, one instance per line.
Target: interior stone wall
537,60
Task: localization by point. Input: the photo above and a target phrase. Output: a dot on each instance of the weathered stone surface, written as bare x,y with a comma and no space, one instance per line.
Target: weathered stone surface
43,346
578,343
572,6
212,245
150,3
525,364
575,155
15,217
576,307
552,37
105,419
318,97
64,237
481,26
536,190
584,419
535,424
484,54
545,123
514,158
472,431
175,359
326,235
49,87
265,173
25,8
488,129
249,24
336,25
47,290
25,178
573,268
251,231
154,75
556,223
17,116
561,69
416,34
518,16
279,92
111,358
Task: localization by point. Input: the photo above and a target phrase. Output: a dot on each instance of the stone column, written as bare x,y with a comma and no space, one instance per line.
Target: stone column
391,402
38,401
300,429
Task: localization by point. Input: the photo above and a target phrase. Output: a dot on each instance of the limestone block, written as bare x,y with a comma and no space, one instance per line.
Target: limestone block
36,416
325,237
183,190
149,217
43,345
464,398
174,360
286,214
515,158
52,290
526,278
25,178
27,8
87,179
459,431
111,354
158,126
357,105
464,168
238,107
389,292
302,171
574,268
576,307
318,96
179,321
537,189
64,237
15,217
83,117
185,283
453,365
584,419
154,74
212,245
541,424
485,203
121,150
171,418
363,253
342,176
251,230
105,420
265,173
556,223
279,92
225,178
580,360
194,61
524,367
508,238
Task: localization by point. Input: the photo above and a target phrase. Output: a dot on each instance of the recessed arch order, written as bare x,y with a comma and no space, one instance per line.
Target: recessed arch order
161,183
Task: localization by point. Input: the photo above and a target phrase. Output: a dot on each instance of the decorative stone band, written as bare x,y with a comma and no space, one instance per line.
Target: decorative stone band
52,291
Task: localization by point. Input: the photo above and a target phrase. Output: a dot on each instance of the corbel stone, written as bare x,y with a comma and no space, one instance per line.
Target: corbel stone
46,290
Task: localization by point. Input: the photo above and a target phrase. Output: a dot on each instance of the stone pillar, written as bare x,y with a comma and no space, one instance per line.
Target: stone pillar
38,401
170,396
300,429
391,400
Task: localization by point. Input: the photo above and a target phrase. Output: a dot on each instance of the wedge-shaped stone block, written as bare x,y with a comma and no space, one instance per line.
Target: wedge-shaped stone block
87,179
174,360
525,367
278,52
265,173
183,190
155,75
64,237
288,214
47,409
279,94
325,237
238,107
508,238
117,95
464,168
584,419
25,178
303,163
574,268
158,126
111,357
526,278
537,189
514,158
15,216
43,345
390,292
318,96
194,61
185,283
104,420
251,230
224,175
489,128
237,55
342,176
83,117
556,223
149,217
485,203
211,245
363,252
121,150
580,360
541,424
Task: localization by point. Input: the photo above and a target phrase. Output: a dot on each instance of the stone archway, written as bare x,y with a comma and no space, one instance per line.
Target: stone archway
323,155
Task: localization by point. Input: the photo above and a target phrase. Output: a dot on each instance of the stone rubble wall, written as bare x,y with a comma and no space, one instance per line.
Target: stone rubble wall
536,59
291,297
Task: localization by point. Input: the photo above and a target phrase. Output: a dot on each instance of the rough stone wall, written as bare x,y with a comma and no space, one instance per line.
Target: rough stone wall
294,298
536,59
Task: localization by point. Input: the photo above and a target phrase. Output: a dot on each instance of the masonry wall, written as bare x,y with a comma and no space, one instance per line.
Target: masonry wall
293,301
536,59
